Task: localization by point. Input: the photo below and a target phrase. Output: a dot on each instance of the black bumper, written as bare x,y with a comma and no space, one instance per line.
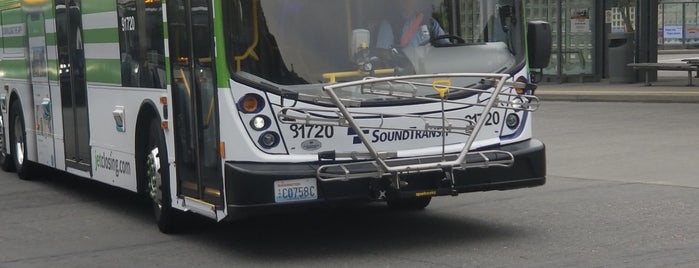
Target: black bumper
252,184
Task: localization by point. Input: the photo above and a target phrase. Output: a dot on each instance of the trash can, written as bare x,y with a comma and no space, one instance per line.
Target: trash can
621,48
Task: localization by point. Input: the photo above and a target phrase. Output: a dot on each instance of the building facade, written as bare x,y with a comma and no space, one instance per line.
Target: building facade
582,30
678,24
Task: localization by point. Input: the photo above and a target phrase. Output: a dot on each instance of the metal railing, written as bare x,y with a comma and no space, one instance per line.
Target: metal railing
493,90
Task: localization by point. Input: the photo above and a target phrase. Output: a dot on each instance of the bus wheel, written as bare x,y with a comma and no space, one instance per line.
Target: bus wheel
412,203
18,141
158,176
6,161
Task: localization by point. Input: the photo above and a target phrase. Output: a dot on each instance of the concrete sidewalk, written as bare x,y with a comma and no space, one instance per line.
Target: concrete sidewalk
670,87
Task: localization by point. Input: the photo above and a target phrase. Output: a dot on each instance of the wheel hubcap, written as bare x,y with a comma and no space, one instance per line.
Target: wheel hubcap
2,137
19,141
154,178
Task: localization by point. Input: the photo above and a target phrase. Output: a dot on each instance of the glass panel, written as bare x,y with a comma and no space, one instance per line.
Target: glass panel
691,33
577,47
672,24
205,95
182,93
141,43
71,59
194,98
292,43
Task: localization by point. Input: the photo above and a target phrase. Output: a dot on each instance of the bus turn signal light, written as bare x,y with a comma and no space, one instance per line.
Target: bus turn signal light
521,90
251,103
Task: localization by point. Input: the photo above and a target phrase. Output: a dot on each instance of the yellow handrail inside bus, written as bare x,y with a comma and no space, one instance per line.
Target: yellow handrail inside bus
250,52
211,112
186,84
189,94
333,76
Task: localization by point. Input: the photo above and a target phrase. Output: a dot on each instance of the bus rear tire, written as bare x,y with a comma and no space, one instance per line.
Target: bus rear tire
411,203
158,176
18,141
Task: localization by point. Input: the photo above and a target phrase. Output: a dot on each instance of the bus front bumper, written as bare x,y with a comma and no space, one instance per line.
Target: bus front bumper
250,185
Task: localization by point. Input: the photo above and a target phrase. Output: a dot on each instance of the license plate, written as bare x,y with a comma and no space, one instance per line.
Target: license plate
295,190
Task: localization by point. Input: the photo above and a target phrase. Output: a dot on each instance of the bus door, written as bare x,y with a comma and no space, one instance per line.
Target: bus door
71,75
40,84
193,85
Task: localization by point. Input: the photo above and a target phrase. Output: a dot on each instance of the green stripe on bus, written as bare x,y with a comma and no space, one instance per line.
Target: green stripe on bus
97,6
14,42
8,4
17,69
167,69
12,16
103,71
36,28
53,69
222,75
110,35
36,33
48,14
50,39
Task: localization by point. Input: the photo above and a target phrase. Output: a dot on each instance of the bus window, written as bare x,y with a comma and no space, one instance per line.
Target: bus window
142,43
255,47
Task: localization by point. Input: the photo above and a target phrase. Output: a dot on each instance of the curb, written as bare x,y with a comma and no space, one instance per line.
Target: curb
619,96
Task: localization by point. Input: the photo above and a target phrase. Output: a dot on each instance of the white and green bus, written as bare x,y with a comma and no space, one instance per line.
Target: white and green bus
230,107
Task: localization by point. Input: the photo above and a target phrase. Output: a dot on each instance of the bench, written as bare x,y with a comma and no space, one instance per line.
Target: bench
665,67
693,61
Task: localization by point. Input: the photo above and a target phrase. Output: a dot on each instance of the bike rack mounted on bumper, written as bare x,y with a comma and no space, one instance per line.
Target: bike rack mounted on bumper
496,88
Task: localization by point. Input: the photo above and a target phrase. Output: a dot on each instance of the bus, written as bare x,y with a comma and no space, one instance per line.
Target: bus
226,108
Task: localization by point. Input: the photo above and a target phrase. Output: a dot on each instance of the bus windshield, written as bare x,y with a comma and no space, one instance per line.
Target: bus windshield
299,44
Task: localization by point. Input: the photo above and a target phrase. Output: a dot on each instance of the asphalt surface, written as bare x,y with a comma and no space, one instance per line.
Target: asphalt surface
622,191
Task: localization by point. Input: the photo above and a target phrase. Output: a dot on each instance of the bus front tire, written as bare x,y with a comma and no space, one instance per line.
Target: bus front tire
158,175
18,141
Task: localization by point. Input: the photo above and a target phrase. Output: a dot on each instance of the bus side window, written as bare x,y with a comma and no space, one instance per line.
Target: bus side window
142,44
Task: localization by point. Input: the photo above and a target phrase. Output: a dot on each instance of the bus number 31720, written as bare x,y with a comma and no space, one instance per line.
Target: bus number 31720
492,118
312,131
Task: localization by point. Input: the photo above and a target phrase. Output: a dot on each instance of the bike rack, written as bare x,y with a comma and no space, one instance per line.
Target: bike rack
494,88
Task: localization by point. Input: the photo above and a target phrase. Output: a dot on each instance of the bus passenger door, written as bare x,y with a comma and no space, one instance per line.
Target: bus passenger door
193,86
40,83
71,75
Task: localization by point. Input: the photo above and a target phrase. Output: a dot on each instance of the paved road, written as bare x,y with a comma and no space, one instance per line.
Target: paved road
622,192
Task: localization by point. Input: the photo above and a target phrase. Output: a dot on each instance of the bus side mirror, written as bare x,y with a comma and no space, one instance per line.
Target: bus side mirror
539,42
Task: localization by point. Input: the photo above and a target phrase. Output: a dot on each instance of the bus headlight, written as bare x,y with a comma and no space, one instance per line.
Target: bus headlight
512,121
260,122
269,139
